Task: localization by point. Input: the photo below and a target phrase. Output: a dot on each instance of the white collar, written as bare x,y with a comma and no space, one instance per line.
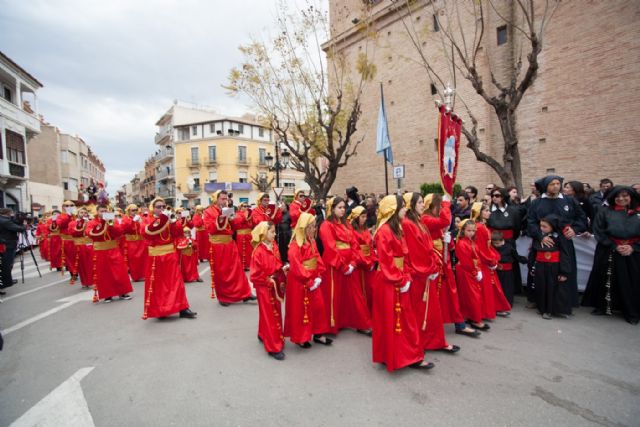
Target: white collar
544,196
494,208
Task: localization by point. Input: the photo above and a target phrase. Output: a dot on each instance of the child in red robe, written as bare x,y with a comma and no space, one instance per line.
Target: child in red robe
188,257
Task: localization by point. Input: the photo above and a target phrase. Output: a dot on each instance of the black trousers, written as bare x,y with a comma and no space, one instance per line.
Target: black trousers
7,265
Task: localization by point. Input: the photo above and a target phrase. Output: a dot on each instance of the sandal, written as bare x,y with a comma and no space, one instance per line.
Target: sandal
423,364
320,340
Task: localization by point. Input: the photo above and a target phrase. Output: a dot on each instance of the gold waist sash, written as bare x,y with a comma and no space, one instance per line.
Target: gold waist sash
365,249
220,238
66,237
398,261
243,231
132,237
187,251
105,246
342,245
200,229
310,264
161,250
54,233
437,243
82,240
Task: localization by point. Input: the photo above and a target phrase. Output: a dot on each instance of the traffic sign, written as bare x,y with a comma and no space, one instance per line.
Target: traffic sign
398,171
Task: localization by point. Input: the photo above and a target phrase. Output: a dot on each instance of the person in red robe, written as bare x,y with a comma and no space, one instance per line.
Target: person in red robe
265,211
228,279
55,242
395,342
268,277
68,246
135,250
437,219
164,292
188,257
306,313
469,275
201,234
242,225
365,270
347,305
301,203
110,276
424,267
83,262
42,237
493,296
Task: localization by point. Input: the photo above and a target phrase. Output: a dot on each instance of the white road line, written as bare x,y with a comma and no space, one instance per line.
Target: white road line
204,270
68,302
64,406
35,289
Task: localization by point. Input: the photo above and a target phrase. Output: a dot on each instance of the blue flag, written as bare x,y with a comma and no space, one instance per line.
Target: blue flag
383,143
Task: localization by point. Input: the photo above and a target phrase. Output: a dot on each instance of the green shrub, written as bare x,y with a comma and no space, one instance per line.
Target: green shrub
436,188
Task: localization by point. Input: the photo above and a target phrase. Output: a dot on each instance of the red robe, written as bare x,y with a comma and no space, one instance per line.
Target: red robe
271,214
164,292
266,262
395,333
55,245
446,281
492,294
304,318
110,276
201,237
241,224
83,262
42,236
296,208
228,280
135,249
426,303
470,290
368,260
188,259
346,303
68,245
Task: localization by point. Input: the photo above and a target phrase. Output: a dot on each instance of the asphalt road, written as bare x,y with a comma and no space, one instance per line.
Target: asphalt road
70,362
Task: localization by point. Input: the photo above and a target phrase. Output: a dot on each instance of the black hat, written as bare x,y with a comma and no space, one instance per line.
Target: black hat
352,193
612,193
553,220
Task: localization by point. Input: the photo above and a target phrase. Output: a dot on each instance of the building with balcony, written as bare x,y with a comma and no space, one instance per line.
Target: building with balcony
148,183
18,123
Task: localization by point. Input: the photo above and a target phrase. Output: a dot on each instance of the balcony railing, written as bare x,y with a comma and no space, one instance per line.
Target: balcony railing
244,160
16,169
197,189
164,154
211,162
193,163
18,115
164,174
165,192
163,134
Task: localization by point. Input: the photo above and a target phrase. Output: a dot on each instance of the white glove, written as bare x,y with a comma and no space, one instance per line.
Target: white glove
405,288
285,267
447,237
479,276
167,213
494,267
350,270
446,198
173,220
137,218
434,276
316,282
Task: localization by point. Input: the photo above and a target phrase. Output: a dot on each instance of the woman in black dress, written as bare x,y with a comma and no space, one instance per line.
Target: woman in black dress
614,283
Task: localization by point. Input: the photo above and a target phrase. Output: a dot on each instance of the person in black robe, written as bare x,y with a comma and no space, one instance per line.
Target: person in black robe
552,269
614,283
284,233
572,218
353,199
506,218
575,189
508,258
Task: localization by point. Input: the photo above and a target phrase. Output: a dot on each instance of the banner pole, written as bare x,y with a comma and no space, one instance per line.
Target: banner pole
386,174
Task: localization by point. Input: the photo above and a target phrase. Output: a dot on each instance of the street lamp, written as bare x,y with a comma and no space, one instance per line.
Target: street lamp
279,164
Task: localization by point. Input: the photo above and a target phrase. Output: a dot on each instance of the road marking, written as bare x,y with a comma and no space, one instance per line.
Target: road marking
64,406
68,302
35,289
204,270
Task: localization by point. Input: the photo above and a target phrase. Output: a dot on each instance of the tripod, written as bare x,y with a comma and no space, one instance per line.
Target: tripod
21,247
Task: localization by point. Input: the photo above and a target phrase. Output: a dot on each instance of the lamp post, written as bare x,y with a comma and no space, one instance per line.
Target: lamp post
278,165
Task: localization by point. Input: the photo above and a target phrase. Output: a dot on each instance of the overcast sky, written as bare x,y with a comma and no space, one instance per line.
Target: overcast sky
110,69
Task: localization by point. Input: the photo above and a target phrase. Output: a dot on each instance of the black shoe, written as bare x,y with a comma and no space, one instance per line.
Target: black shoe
454,349
3,293
480,328
598,312
125,297
250,298
632,320
366,332
199,280
472,334
188,314
59,269
322,340
503,313
305,345
259,339
224,304
14,281
108,299
423,364
278,356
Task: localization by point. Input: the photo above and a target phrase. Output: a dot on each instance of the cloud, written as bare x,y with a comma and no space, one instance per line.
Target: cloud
112,68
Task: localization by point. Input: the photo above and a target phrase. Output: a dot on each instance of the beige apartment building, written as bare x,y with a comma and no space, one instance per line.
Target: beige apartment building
580,119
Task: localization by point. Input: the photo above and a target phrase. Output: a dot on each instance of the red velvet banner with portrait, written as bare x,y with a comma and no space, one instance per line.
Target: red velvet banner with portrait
449,127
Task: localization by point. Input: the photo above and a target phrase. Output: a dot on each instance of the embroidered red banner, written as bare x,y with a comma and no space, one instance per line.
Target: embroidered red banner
449,127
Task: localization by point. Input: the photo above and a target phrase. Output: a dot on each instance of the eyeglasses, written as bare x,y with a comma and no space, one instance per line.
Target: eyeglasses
489,188
302,196
497,195
159,207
